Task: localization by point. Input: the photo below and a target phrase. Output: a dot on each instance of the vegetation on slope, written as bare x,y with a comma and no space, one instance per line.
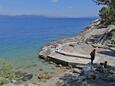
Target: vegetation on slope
107,13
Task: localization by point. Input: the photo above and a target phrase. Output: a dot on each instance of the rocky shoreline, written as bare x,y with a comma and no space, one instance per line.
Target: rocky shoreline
80,38
94,36
72,55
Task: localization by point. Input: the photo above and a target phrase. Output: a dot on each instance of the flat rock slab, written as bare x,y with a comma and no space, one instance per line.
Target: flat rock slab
69,59
77,49
74,53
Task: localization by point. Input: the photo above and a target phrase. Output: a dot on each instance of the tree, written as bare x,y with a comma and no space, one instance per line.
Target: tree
103,2
107,13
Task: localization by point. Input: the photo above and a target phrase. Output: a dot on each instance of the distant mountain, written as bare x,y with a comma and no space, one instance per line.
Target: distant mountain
22,17
37,16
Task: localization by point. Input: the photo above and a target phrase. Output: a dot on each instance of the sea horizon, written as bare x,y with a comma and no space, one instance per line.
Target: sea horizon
45,16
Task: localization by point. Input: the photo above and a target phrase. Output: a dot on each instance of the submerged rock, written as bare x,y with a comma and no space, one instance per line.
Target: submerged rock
44,76
27,77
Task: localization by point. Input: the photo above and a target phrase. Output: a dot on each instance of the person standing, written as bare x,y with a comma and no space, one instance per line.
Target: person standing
92,54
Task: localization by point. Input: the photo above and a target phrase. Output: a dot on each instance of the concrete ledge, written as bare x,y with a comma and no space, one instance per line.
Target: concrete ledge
66,63
73,54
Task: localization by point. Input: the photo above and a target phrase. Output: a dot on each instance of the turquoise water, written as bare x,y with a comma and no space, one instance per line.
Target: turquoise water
21,37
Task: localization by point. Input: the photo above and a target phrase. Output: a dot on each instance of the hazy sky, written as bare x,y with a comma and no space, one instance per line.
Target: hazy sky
55,8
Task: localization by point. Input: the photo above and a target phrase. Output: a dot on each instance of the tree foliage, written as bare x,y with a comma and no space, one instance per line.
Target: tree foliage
107,13
103,2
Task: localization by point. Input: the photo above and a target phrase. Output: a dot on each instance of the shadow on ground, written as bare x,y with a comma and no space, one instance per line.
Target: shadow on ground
109,53
71,79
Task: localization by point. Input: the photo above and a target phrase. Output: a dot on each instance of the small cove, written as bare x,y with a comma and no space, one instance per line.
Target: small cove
21,38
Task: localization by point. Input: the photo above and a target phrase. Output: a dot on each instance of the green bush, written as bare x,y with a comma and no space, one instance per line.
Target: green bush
107,13
3,81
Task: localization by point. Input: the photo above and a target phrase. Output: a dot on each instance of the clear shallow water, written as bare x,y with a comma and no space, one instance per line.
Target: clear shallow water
22,37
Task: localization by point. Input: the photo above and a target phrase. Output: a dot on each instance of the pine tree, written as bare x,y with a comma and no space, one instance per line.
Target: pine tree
107,13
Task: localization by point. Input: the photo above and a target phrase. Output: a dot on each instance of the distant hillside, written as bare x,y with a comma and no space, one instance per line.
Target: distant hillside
42,17
22,16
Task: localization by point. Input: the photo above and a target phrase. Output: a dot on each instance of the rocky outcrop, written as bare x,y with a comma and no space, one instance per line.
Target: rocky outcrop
91,75
76,50
45,52
81,38
63,51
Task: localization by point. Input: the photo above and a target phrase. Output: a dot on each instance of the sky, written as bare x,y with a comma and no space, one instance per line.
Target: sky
53,8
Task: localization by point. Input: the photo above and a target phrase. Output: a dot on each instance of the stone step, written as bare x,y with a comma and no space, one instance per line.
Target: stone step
67,60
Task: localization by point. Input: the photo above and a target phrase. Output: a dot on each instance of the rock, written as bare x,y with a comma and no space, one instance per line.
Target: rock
59,65
40,69
68,67
88,69
44,76
45,52
71,45
27,77
20,74
13,81
91,75
109,79
81,78
76,70
112,72
50,62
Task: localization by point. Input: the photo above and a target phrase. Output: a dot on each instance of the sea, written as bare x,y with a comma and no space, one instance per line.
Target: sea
22,37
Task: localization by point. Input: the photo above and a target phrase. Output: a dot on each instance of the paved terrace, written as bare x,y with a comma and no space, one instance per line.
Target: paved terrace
75,53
